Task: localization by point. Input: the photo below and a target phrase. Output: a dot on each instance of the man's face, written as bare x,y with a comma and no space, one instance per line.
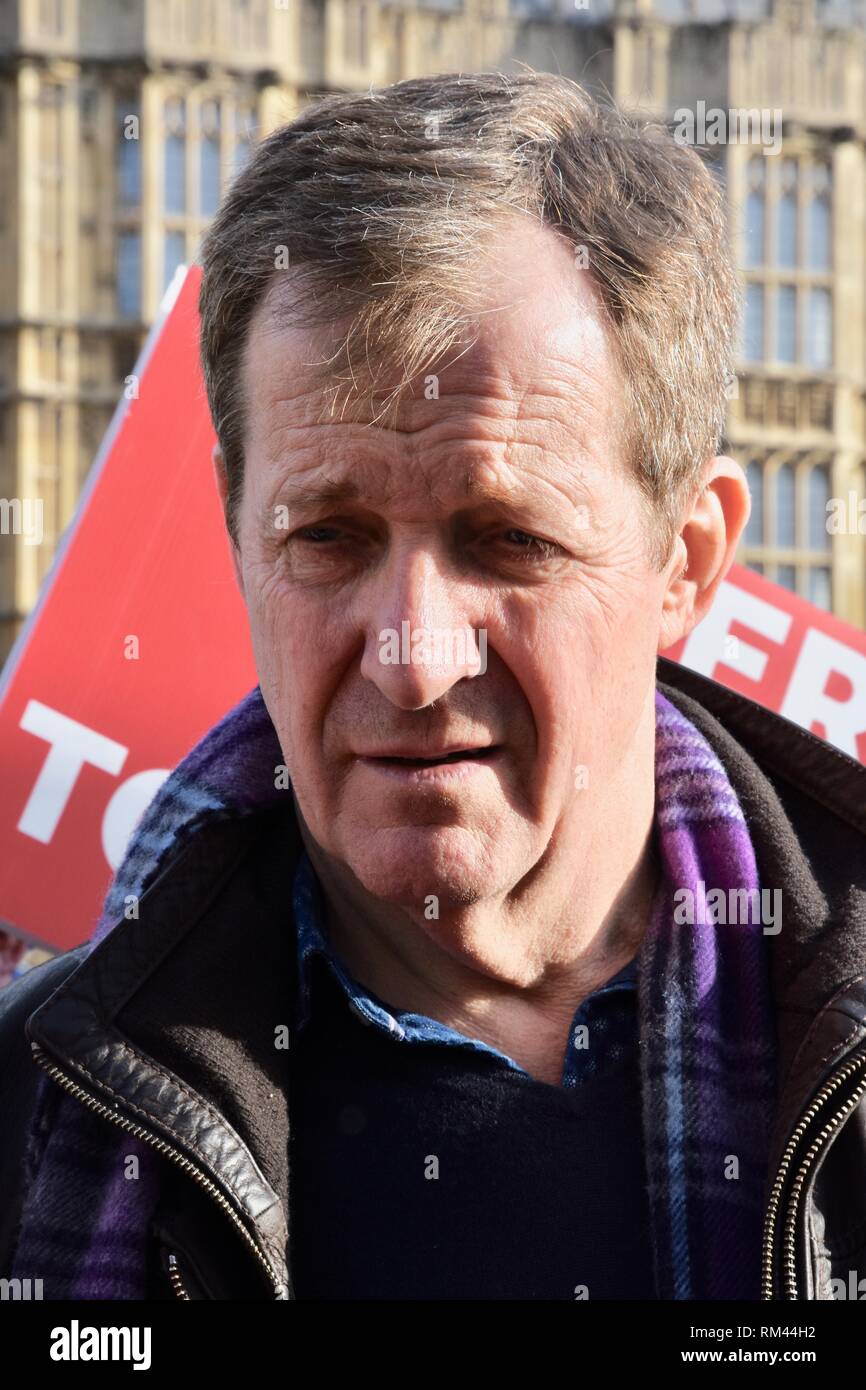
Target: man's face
500,522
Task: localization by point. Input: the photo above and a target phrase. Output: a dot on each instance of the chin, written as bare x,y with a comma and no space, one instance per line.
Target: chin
409,864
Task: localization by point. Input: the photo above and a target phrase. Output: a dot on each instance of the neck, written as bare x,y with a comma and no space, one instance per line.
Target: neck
510,971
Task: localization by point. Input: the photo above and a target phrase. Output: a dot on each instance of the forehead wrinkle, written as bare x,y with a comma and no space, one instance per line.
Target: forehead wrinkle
485,475
488,394
556,407
556,416
484,395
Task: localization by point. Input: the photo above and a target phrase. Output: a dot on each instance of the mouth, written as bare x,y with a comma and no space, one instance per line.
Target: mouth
459,755
458,763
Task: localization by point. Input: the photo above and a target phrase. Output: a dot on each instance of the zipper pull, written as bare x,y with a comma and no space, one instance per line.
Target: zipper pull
174,1275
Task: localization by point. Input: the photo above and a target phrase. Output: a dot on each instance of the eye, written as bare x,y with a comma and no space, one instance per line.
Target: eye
317,535
531,547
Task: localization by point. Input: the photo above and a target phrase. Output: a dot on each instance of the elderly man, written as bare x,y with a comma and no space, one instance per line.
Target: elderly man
476,954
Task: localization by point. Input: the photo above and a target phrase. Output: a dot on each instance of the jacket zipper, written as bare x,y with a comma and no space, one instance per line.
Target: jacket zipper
820,1142
51,1067
176,1281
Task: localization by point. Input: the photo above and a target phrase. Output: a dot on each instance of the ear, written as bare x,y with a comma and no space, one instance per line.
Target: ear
222,482
705,548
220,475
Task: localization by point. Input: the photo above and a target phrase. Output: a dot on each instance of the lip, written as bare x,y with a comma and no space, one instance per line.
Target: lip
417,774
418,752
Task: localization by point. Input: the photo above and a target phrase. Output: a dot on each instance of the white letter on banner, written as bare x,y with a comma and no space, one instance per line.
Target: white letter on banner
705,646
125,810
805,701
72,745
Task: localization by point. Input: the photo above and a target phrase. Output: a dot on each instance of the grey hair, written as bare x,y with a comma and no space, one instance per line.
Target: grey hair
383,203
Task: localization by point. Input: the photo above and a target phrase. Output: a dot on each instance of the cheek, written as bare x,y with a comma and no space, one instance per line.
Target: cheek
301,650
277,641
277,615
621,669
617,606
575,633
585,659
268,626
623,653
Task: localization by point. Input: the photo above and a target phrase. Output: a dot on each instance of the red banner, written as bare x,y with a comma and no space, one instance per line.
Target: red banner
767,643
139,644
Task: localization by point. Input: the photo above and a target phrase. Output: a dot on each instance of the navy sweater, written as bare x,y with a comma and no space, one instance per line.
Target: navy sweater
426,1165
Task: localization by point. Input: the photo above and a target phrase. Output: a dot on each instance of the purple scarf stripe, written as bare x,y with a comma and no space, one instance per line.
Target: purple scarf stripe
708,1133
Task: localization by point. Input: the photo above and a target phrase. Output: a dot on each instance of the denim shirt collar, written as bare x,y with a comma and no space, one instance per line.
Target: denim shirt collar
309,914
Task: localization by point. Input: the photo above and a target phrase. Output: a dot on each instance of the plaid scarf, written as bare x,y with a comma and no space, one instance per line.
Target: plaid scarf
706,1037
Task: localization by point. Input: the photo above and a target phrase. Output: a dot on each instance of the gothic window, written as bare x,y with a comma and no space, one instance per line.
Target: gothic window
174,177
244,135
819,332
820,589
786,537
786,531
786,323
789,297
818,218
754,323
127,118
756,212
755,525
786,217
209,159
129,274
819,495
174,255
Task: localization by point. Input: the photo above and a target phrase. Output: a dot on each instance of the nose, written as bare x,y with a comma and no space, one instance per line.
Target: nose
420,639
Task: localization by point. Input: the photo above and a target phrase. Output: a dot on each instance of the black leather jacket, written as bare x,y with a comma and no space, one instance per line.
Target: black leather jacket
162,1032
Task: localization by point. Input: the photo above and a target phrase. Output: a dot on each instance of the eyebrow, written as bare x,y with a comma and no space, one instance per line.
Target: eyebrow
311,498
325,494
